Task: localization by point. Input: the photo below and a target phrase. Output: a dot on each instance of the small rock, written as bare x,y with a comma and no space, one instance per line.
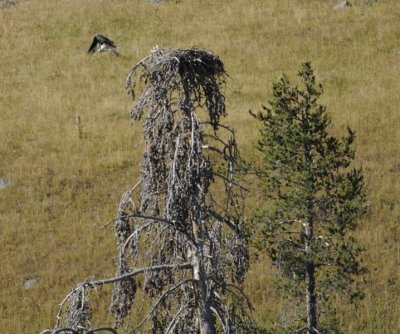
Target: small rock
29,283
4,183
342,5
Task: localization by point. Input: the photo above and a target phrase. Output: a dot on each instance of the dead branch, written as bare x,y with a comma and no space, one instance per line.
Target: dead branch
139,271
158,303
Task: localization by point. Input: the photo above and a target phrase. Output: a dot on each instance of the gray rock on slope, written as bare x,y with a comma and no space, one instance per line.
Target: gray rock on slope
4,183
342,5
30,283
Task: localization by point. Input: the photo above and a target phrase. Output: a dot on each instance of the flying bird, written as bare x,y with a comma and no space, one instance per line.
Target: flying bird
101,44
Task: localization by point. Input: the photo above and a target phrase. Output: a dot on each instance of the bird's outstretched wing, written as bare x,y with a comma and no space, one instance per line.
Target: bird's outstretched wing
92,48
104,40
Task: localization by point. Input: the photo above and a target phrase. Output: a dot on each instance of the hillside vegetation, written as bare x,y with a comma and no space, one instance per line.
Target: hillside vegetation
66,176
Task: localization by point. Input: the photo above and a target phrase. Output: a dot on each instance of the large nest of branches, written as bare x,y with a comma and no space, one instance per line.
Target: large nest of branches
195,73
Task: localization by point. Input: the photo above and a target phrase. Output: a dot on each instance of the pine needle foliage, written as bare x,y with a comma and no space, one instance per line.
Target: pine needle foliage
314,199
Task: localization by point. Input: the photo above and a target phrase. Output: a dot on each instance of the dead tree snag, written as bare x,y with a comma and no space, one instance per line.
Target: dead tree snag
177,241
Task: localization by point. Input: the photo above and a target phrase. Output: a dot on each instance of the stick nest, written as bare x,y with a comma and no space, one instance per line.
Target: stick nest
194,72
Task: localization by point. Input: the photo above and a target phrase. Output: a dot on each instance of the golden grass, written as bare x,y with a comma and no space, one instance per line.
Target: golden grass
63,187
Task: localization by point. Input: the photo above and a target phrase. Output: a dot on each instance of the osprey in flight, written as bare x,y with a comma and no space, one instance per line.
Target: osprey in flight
102,43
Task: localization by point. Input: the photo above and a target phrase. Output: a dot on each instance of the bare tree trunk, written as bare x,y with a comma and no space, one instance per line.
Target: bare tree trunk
203,305
312,320
311,299
204,311
203,302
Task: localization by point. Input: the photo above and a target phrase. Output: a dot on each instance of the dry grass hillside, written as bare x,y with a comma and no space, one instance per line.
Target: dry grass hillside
65,180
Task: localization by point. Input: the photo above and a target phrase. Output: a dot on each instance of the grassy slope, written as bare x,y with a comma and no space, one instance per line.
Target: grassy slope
63,188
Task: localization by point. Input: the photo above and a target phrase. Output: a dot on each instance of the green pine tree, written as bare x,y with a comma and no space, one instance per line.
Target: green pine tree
315,197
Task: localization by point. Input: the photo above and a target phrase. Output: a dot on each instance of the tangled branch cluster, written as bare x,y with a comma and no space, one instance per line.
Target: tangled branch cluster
187,243
175,77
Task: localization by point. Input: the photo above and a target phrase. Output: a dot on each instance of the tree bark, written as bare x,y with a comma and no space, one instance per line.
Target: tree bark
311,298
203,306
312,318
205,316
